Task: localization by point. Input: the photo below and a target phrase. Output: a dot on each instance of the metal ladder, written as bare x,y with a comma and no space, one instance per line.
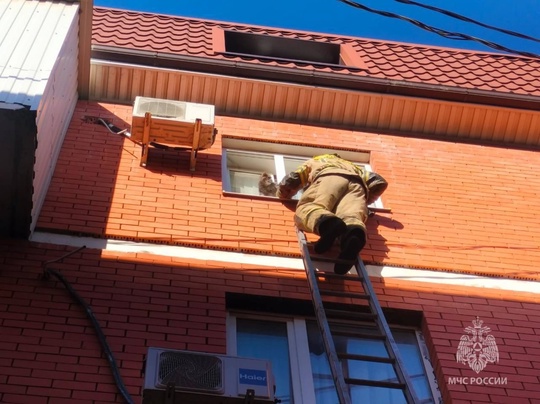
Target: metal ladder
375,316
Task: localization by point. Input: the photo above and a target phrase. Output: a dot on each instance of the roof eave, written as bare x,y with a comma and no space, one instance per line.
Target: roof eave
313,77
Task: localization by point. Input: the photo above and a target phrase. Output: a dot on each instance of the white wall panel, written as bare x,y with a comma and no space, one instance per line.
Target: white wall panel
55,109
32,34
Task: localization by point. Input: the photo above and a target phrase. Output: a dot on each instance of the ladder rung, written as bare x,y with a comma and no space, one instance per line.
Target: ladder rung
365,358
352,295
359,335
325,258
330,275
350,315
375,383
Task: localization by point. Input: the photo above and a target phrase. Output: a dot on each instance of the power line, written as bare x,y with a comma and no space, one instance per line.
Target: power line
467,19
441,32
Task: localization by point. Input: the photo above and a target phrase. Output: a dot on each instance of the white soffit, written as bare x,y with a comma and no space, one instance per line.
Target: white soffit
113,82
31,36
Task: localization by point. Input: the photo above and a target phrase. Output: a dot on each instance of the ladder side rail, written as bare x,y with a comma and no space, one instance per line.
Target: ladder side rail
330,349
390,342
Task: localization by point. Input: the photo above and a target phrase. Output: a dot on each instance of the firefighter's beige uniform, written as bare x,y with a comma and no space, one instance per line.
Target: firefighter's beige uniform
332,187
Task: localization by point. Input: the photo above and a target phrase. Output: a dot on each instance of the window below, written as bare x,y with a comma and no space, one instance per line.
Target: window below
244,161
301,370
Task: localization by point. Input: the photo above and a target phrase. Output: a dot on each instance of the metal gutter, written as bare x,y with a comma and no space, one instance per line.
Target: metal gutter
314,78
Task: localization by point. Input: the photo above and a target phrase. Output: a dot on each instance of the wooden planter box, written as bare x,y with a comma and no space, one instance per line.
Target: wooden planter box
174,124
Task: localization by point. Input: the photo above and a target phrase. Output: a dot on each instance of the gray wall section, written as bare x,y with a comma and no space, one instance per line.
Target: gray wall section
18,134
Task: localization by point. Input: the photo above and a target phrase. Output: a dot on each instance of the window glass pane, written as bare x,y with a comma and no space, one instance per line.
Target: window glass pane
250,161
292,163
267,340
325,391
409,350
245,169
244,182
412,356
383,372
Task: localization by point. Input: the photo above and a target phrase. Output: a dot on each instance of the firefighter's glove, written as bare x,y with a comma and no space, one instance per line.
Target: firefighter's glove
289,186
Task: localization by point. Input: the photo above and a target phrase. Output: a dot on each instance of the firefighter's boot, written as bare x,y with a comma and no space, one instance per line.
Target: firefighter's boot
352,243
329,229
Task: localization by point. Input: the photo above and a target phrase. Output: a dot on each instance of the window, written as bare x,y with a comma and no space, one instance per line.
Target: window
243,162
246,167
301,370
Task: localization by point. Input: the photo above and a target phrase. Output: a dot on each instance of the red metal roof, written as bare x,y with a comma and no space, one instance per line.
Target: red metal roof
403,62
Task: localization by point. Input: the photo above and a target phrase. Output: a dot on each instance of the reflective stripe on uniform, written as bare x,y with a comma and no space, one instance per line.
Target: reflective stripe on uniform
306,213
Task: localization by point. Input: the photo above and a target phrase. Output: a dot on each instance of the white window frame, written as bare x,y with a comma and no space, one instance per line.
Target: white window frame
430,372
301,375
280,152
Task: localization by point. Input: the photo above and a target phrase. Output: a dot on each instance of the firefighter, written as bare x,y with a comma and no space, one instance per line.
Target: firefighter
334,203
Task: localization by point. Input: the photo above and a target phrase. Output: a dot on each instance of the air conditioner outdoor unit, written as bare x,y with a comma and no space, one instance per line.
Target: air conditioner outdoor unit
172,123
187,377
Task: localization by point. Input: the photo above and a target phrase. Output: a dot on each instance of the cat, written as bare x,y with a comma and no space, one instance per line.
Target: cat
267,185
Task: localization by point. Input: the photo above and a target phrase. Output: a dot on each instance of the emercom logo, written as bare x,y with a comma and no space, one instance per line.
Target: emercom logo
252,376
477,348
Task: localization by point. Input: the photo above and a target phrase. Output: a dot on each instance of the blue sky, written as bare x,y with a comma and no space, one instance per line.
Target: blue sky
335,17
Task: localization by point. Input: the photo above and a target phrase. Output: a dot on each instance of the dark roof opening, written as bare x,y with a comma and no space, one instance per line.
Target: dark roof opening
271,47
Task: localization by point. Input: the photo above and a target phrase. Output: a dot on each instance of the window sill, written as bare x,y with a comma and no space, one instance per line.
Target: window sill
288,201
259,197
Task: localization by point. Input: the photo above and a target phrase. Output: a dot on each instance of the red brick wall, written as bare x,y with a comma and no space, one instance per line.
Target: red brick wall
458,207
49,352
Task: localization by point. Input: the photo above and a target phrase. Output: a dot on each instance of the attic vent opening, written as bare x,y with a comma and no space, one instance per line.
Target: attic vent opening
277,48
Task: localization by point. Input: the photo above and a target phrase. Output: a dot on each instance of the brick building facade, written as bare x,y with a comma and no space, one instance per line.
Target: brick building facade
171,256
